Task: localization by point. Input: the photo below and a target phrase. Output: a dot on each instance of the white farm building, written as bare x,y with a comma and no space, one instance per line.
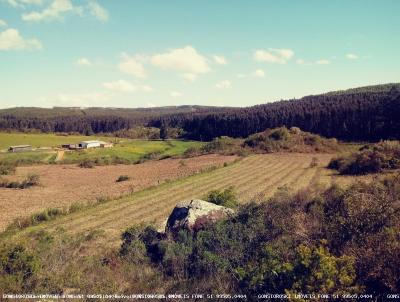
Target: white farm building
94,144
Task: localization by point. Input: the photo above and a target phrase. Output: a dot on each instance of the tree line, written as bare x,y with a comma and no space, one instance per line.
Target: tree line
362,114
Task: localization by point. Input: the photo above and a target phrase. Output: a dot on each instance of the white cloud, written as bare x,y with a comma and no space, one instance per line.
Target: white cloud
55,11
191,77
175,94
98,11
223,84
23,3
273,55
120,86
125,86
58,8
10,39
351,56
300,61
3,23
84,62
185,59
220,60
132,65
323,62
259,73
77,100
150,105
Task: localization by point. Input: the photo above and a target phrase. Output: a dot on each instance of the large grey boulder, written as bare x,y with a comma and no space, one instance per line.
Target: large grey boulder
194,214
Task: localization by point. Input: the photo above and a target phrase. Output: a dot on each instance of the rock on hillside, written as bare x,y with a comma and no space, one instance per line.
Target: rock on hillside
194,214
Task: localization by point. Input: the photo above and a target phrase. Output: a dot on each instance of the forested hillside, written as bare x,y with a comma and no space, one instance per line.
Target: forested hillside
366,113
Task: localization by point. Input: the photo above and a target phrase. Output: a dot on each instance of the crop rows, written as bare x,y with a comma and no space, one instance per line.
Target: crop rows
253,176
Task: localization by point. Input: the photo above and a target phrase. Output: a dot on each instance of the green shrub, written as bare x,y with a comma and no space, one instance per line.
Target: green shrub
7,168
87,163
381,156
18,262
226,198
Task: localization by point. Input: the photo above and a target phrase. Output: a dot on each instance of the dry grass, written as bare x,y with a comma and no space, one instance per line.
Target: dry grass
62,185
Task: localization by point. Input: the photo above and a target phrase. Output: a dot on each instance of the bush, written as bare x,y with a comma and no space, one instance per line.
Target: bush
30,181
122,178
17,268
87,163
226,198
384,155
7,168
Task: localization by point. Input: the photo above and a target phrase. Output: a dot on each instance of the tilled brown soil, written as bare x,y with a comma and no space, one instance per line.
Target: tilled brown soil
62,185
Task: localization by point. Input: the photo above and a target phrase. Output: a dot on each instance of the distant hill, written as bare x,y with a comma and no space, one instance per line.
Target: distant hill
365,113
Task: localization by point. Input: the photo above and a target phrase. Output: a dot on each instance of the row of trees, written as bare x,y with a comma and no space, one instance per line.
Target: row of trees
348,116
369,113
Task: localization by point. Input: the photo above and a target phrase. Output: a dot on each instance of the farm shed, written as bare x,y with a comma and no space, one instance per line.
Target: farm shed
94,144
20,148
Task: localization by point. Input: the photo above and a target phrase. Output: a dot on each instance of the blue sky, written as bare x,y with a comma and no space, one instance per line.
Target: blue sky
123,53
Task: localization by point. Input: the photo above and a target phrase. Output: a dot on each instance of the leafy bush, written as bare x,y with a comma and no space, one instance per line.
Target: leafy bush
87,163
17,268
7,168
226,198
122,178
384,155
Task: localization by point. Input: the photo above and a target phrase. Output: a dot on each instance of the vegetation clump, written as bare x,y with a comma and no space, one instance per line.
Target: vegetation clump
18,268
369,159
289,140
7,168
30,181
122,178
226,198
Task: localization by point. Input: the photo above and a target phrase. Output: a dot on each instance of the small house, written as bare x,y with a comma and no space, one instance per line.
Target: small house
20,148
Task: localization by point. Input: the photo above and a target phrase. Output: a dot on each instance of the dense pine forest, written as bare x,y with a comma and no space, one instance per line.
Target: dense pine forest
364,114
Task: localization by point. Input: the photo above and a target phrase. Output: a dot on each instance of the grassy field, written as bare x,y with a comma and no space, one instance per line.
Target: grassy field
43,140
254,178
125,151
131,151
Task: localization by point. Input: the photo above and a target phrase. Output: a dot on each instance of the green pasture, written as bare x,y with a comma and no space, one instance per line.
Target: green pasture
124,151
43,140
130,151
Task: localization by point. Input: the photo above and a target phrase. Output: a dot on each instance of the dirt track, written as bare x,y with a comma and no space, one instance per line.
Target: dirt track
62,185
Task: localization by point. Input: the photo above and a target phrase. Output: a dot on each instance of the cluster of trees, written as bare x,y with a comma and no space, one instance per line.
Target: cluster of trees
366,113
351,115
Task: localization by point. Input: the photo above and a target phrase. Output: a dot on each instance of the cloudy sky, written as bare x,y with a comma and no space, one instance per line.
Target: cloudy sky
120,53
